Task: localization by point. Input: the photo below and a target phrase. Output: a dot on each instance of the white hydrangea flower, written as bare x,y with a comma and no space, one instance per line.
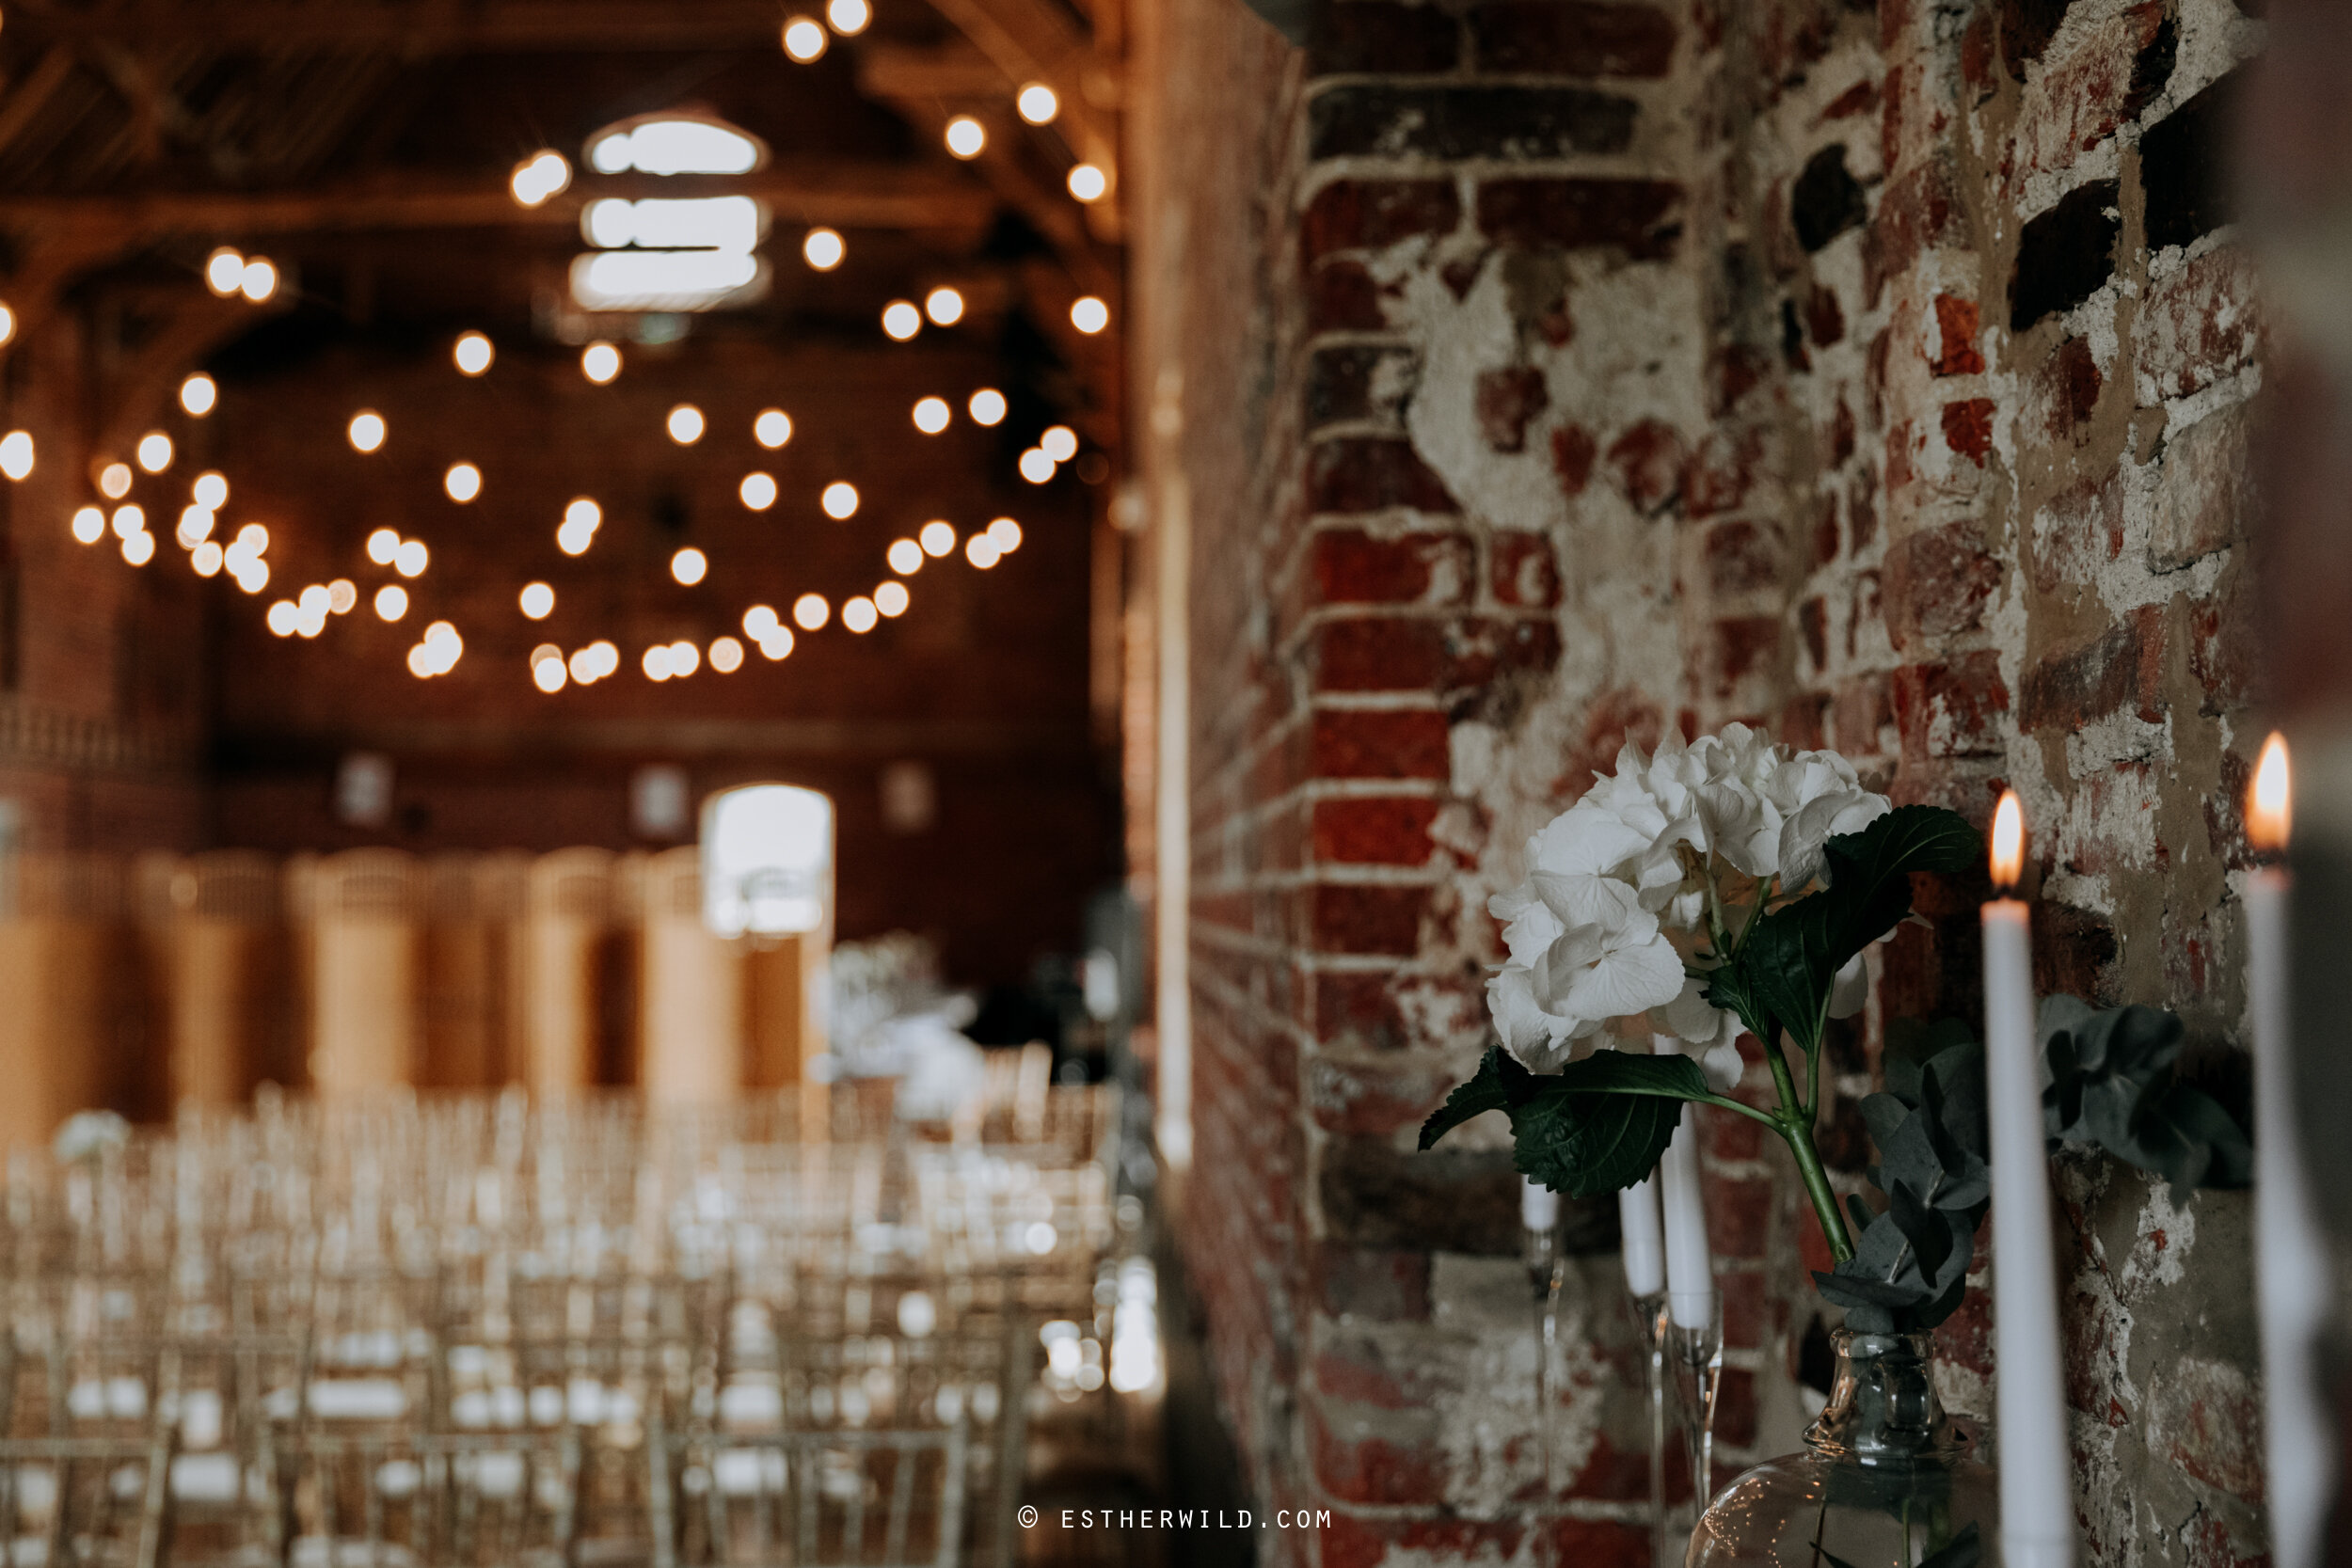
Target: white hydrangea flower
1608,877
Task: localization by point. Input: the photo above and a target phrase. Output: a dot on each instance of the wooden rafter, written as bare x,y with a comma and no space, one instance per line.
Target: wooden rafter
420,26
843,194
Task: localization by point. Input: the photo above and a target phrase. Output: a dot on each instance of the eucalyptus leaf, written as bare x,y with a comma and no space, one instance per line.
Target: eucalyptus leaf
2112,1082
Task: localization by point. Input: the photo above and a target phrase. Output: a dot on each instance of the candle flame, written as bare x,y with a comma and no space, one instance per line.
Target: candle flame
2008,840
2268,806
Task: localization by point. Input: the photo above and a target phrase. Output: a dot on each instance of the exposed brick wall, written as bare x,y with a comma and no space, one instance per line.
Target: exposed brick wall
1555,372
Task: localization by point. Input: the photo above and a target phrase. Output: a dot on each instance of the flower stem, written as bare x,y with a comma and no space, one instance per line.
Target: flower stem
1795,1125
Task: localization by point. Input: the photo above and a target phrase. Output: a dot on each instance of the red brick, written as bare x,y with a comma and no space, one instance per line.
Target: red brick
1717,479
1595,1542
1374,831
1369,214
1390,653
1380,744
1650,459
2079,531
1965,1338
1342,296
1742,557
1572,37
1862,708
1738,1211
1506,399
1824,319
1572,453
1956,325
1636,216
1743,646
1376,36
1351,1541
1735,1407
1382,1287
1351,566
1465,120
1953,708
1969,428
2225,645
2198,324
2073,952
1376,1470
1366,1099
2070,688
1747,1301
1813,623
1349,917
2064,391
1372,474
2207,495
1360,382
1920,211
2079,101
1522,571
1937,583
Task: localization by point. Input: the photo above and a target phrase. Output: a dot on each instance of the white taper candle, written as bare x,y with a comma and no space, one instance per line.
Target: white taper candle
1539,1206
1640,1240
2291,1253
2037,1485
1690,1266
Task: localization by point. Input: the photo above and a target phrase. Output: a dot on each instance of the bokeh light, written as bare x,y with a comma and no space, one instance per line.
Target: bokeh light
258,281
931,416
938,538
901,320
1088,315
114,481
211,490
684,424
839,500
690,565
1004,534
859,614
981,551
905,557
810,612
726,654
154,452
411,559
804,39
891,599
473,353
600,362
224,272
759,490
822,249
773,429
944,306
463,482
16,453
198,394
1088,182
89,525
1037,103
537,600
1037,466
366,430
987,406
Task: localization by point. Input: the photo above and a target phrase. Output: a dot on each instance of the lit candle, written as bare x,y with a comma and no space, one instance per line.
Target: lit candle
1640,1241
1690,1267
2291,1252
2037,1487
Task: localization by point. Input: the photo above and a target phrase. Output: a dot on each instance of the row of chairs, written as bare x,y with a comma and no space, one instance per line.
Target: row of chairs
472,1330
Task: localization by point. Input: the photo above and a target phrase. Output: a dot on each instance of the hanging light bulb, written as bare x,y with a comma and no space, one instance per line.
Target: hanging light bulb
463,482
211,490
1004,534
905,557
392,602
196,526
849,17
726,654
981,551
366,430
1060,443
1089,315
859,615
822,249
224,272
206,559
1037,103
773,429
600,362
89,525
1088,182
383,544
810,612
685,658
839,500
539,177
140,549
472,353
154,452
987,406
931,416
1037,466
684,424
804,39
258,281
938,538
537,600
198,393
16,453
758,491
689,566
966,136
901,320
944,306
341,595
114,481
129,520
891,599
411,559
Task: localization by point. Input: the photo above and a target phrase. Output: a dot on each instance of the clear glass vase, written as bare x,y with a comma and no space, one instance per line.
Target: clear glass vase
1884,1481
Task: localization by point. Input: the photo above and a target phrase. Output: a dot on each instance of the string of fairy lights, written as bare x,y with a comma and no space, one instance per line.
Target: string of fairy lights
700,247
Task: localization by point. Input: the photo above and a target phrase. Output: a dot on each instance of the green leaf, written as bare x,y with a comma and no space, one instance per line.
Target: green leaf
1963,1551
1784,969
1498,1082
1599,1125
